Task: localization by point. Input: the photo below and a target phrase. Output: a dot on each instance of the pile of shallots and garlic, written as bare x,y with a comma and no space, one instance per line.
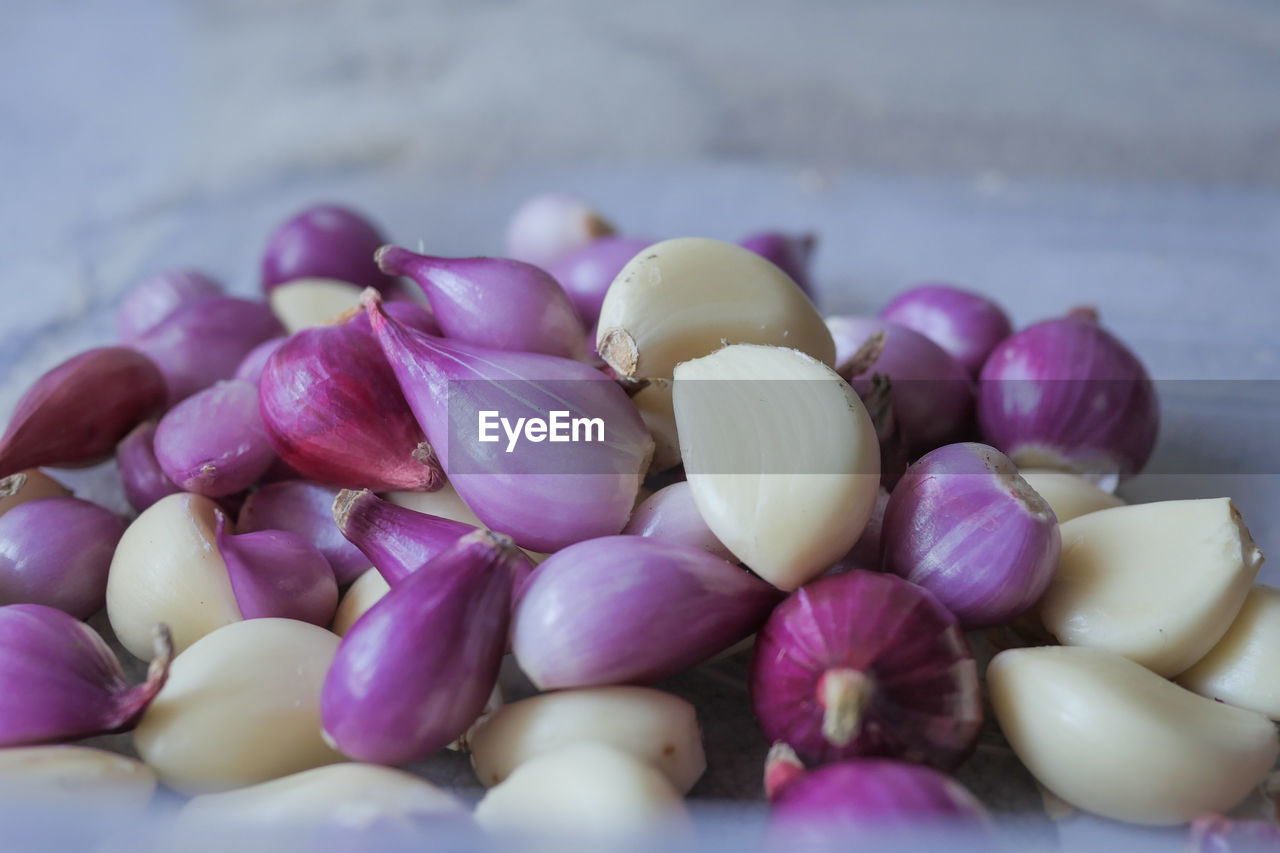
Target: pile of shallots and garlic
613,459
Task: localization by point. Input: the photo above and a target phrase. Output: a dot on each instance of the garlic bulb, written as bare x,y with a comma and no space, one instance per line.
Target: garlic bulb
1243,669
1068,495
354,796
359,597
167,568
682,298
241,706
655,727
307,302
780,455
1112,738
1158,583
586,789
75,776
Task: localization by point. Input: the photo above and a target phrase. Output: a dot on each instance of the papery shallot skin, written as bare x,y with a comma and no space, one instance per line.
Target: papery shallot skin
75,413
863,664
671,515
277,573
415,671
56,552
964,525
333,410
60,681
205,340
324,241
157,296
304,508
250,367
552,224
548,495
214,443
585,273
789,252
143,480
965,324
1065,393
632,610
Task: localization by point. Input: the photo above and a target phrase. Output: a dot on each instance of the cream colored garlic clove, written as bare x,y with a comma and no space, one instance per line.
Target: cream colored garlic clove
1158,583
1115,739
78,776
308,302
241,706
1243,669
681,299
445,502
655,727
781,458
659,415
496,702
29,485
355,796
1068,495
585,789
367,591
167,568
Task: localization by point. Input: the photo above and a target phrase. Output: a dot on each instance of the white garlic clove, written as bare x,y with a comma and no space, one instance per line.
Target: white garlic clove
1115,739
496,702
445,502
308,302
781,458
1068,495
241,706
367,591
682,298
1243,669
585,789
655,727
77,776
355,796
657,410
1158,583
167,568
29,485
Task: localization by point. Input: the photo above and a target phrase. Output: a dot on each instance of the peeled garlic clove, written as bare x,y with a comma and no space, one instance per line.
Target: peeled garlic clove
167,568
1243,669
363,594
659,415
681,299
76,776
655,727
356,796
241,706
1068,495
307,302
29,485
586,789
1115,739
781,458
1158,583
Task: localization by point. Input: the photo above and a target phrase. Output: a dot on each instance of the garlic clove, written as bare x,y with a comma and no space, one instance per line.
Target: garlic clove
363,594
1115,739
76,776
586,789
681,299
350,795
1243,669
780,455
657,728
29,485
657,410
1158,583
167,568
241,706
1068,495
307,302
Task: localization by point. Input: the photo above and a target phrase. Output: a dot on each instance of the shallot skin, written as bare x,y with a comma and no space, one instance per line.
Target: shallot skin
586,272
304,508
75,413
214,443
965,324
324,241
789,252
275,573
143,480
154,298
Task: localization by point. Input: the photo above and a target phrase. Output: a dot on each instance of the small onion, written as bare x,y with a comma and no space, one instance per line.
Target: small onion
789,252
670,514
863,664
276,573
550,225
250,367
56,552
214,442
324,241
630,609
963,524
306,509
965,324
1067,394
143,480
29,485
586,272
154,298
60,681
